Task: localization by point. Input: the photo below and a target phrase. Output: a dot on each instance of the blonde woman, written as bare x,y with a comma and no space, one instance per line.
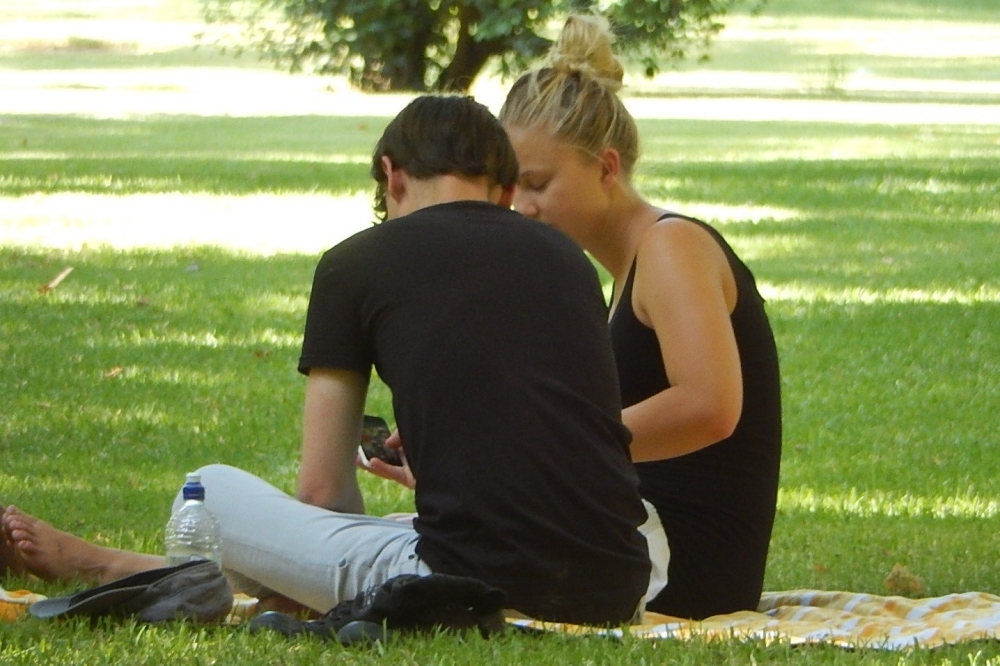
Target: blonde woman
697,364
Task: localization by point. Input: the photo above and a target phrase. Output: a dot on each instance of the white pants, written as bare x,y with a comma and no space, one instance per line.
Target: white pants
273,542
659,551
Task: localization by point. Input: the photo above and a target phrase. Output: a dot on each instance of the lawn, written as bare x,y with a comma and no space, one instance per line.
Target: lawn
192,238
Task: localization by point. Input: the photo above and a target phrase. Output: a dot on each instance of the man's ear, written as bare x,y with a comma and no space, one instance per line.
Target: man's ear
611,165
395,181
505,196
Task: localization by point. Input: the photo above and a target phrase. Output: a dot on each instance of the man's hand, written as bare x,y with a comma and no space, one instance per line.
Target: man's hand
402,475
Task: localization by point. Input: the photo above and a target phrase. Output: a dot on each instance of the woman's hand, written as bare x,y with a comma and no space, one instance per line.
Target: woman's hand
402,475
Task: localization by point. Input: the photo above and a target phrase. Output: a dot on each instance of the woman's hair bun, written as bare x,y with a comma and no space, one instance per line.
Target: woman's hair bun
584,46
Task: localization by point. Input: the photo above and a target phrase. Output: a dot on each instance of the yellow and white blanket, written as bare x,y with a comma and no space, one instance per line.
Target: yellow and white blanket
844,619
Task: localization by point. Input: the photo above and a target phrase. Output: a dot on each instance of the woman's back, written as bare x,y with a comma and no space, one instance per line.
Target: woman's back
716,504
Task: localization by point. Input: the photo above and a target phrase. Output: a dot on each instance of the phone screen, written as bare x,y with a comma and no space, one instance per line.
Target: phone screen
374,432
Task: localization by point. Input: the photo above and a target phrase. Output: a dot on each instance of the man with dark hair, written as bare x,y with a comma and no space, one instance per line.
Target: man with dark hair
489,329
422,141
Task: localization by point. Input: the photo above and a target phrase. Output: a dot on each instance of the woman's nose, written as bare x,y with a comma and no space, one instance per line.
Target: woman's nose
524,204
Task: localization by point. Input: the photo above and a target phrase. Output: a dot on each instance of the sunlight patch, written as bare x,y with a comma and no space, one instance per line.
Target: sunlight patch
264,224
142,413
166,375
895,184
205,155
177,376
753,248
868,503
210,339
912,38
277,303
712,212
799,293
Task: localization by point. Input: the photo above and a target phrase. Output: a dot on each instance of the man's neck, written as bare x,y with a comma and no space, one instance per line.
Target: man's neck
443,189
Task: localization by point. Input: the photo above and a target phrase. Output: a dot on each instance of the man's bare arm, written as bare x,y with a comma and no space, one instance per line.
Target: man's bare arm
331,428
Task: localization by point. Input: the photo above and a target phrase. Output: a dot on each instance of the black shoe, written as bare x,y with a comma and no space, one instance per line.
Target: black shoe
353,633
404,603
360,632
325,627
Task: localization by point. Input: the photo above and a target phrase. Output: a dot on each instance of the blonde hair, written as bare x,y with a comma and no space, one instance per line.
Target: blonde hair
574,94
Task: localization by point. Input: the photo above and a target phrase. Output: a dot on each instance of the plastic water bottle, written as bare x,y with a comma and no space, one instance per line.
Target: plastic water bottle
192,532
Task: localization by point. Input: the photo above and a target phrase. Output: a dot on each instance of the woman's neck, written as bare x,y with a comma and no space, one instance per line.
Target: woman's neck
615,244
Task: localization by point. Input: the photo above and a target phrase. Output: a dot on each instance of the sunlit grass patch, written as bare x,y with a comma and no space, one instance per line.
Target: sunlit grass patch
727,213
261,223
692,141
101,9
800,293
209,339
930,10
855,502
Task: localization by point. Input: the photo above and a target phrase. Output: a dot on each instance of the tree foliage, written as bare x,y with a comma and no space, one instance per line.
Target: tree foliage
442,45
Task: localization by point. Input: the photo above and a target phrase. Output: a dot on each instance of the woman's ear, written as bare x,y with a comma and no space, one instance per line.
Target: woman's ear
611,165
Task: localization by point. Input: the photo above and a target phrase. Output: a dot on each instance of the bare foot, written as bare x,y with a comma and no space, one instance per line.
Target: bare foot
11,563
51,554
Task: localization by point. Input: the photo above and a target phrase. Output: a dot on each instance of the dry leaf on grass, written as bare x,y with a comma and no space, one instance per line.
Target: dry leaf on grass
900,581
54,282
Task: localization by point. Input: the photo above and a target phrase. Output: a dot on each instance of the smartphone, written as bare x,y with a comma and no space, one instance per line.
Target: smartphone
374,432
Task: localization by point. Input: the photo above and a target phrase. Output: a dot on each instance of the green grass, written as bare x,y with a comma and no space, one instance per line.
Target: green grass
144,364
875,246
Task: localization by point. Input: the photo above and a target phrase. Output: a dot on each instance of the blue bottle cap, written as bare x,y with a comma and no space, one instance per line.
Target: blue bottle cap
193,488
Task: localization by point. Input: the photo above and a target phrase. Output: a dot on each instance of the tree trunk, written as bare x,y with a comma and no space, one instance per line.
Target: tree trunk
470,56
400,61
409,68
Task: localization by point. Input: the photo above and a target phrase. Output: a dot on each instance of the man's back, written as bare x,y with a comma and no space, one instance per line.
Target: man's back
490,330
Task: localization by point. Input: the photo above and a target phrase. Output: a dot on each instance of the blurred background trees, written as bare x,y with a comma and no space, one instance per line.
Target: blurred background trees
442,45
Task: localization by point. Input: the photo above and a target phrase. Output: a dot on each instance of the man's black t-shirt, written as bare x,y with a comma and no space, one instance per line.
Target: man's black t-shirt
490,330
716,504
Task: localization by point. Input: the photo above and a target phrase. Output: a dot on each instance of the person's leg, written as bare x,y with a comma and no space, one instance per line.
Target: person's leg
273,542
31,545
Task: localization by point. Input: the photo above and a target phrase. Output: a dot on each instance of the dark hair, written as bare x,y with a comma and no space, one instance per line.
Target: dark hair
438,135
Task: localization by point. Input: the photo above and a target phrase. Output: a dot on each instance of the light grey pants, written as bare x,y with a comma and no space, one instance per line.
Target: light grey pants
273,542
